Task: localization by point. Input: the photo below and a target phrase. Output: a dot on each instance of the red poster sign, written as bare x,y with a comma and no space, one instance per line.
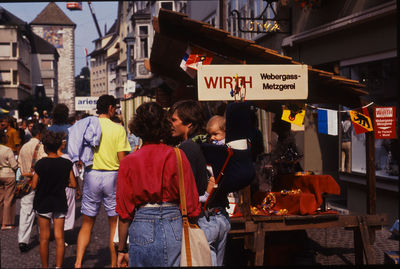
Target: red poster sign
385,122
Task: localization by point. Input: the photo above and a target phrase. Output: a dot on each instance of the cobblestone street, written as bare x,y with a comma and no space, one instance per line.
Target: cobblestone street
332,246
97,254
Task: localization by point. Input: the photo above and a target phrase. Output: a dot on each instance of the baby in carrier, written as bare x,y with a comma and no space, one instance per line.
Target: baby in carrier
228,155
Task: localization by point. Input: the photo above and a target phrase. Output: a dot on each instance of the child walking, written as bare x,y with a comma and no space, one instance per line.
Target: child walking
52,175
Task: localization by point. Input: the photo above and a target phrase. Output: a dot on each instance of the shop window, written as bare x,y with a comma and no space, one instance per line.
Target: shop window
380,79
5,49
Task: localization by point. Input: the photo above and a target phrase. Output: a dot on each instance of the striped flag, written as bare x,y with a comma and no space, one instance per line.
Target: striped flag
193,58
327,121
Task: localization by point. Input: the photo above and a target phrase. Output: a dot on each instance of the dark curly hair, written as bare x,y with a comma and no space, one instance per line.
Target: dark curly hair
151,123
52,141
60,114
190,111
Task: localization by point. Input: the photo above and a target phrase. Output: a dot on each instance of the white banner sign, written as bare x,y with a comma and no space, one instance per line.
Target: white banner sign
129,86
83,103
254,82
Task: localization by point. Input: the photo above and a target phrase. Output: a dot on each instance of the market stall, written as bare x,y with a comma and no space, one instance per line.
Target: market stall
176,36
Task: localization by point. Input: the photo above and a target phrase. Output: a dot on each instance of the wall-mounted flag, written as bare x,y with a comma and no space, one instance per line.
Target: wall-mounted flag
361,121
327,121
292,117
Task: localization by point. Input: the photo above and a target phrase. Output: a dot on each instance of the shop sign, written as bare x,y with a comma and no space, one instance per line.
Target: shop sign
129,86
385,122
263,23
83,103
252,82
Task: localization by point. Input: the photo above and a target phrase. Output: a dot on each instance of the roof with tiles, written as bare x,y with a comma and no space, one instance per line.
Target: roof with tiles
52,15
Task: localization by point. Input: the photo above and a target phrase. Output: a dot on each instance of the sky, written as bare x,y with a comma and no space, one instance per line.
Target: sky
85,31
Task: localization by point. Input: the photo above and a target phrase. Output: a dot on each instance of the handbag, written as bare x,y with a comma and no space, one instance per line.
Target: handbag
195,250
24,186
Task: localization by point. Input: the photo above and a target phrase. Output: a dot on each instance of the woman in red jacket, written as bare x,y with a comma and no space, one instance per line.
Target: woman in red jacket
148,194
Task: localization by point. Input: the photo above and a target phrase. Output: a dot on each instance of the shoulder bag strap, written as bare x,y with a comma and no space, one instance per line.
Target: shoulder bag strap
182,195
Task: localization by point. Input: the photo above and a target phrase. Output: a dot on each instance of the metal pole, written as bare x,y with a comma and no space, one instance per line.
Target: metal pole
222,14
94,18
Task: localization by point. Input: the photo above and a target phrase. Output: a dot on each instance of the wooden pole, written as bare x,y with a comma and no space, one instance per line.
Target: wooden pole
371,179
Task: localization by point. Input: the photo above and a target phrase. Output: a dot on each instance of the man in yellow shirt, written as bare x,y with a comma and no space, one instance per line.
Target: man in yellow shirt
100,180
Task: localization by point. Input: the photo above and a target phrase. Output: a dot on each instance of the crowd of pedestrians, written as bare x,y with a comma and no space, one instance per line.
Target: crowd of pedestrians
135,179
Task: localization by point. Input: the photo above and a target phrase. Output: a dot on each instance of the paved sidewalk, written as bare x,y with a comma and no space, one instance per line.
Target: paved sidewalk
97,254
320,247
334,246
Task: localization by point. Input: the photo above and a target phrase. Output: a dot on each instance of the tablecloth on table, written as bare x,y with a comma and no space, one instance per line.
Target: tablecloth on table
314,184
295,204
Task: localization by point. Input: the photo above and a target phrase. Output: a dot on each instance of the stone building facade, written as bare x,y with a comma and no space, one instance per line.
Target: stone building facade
54,26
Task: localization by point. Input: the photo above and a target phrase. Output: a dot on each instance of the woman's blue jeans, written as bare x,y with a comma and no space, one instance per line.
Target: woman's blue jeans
155,237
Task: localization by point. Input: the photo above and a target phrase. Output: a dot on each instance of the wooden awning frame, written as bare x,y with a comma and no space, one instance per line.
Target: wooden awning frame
174,32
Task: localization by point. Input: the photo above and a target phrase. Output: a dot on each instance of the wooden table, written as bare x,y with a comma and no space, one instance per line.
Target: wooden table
254,229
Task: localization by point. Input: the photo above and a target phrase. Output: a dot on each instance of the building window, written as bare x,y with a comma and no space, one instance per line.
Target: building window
46,65
143,48
211,20
15,77
143,30
14,49
167,5
183,8
5,77
47,83
5,49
